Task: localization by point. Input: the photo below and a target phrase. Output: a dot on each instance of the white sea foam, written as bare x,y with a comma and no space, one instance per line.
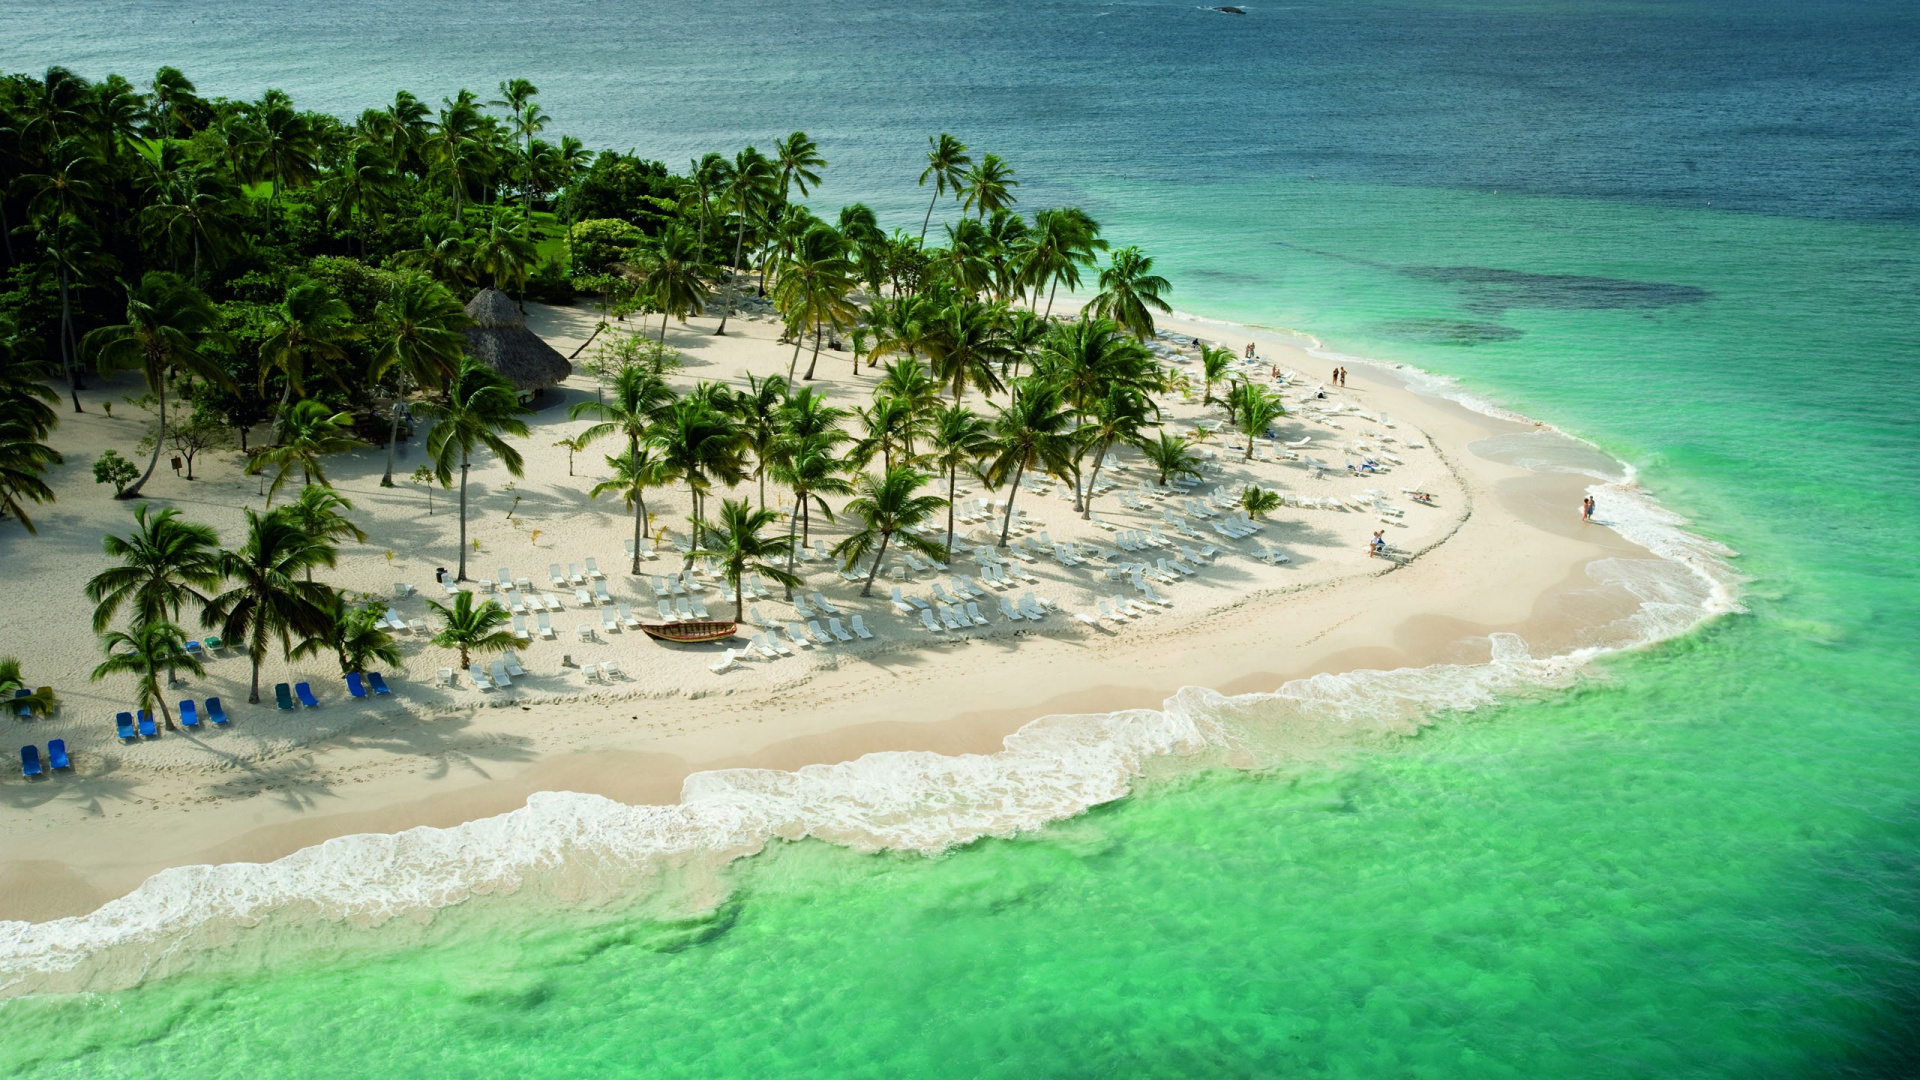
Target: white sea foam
1053,768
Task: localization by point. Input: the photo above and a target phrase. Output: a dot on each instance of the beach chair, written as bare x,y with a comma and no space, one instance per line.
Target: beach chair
609,621
574,576
520,628
759,643
725,663
22,710
553,602
1007,610
683,607
29,761
609,669
900,604
477,675
305,693
798,635
148,728
394,621
593,570
554,575
825,605
665,609
801,609
402,590
505,578
418,626
699,609
518,607
626,616
216,712
973,612
512,660
646,549
444,677
283,696
860,629
926,620
543,623
498,671
525,585
818,635
628,546
356,686
778,645
123,725
195,650
189,714
583,597
601,594
941,594
839,632
1032,608
374,679
57,755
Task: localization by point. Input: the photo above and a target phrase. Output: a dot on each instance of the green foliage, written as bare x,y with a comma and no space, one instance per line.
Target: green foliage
549,283
1259,502
600,242
111,468
622,187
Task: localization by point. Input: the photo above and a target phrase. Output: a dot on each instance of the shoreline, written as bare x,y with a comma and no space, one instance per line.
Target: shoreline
1516,563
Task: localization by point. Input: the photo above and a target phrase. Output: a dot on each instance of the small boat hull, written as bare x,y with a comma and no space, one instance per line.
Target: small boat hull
692,632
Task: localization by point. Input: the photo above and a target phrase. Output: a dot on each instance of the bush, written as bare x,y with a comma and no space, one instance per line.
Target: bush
111,468
630,189
601,241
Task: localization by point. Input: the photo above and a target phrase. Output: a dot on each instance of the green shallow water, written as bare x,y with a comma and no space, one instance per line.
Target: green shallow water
1703,861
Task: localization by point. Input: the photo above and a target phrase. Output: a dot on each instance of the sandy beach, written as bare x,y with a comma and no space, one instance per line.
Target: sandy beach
1502,549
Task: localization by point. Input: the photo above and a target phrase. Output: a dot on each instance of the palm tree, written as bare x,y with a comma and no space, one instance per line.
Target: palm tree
309,431
359,189
168,321
457,151
502,255
639,398
809,465
309,329
887,508
748,186
699,444
813,290
289,150
318,511
1032,431
947,163
165,563
1169,454
144,652
968,346
959,437
267,598
891,426
633,473
799,161
736,541
989,187
472,629
1254,407
480,406
1130,292
12,682
516,95
1122,416
1215,365
197,211
1258,501
353,633
419,339
24,458
671,279
1059,244
758,410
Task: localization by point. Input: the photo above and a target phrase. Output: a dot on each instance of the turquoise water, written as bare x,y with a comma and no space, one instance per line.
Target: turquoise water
1703,860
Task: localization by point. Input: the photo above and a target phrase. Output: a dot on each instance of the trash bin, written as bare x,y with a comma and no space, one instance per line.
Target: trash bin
440,574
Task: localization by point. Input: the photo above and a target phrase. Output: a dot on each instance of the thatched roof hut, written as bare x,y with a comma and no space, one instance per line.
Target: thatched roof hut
500,339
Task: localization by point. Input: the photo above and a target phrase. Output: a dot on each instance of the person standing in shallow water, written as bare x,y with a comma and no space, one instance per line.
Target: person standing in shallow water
1586,510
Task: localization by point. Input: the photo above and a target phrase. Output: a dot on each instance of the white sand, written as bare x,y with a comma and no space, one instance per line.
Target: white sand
1501,550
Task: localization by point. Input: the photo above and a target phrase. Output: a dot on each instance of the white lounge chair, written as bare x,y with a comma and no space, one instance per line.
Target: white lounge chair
760,644
593,570
520,628
839,632
860,629
683,607
512,660
926,620
444,677
479,676
900,602
500,677
818,635
1007,610
824,604
574,576
973,612
626,616
699,609
608,620
801,609
505,577
779,646
544,625
725,663
609,669
418,626
798,635
553,573
553,602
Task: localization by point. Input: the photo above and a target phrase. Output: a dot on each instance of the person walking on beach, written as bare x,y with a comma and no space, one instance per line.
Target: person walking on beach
1343,376
1378,545
1249,354
1586,510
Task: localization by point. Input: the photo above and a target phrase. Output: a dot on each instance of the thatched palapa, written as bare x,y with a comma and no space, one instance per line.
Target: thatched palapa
500,339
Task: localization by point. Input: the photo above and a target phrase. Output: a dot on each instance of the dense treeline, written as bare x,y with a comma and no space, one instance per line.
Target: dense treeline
290,279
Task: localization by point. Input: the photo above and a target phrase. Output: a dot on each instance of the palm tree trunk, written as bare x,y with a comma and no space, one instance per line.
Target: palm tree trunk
393,436
253,692
462,575
1094,480
928,220
66,357
166,714
815,362
639,521
874,571
739,237
953,482
663,329
1048,314
739,597
133,491
1007,524
795,362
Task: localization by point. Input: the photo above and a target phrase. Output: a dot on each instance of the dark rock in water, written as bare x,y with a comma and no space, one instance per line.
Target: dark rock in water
1231,10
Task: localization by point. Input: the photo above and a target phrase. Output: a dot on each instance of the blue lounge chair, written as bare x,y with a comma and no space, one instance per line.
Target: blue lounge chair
354,685
305,693
283,695
57,755
194,650
379,684
215,712
146,725
123,723
189,716
29,761
22,711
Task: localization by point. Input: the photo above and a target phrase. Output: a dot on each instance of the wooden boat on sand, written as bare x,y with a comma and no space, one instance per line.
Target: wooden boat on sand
690,632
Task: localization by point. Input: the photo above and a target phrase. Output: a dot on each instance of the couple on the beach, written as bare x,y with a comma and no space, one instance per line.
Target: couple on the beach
1339,376
1586,510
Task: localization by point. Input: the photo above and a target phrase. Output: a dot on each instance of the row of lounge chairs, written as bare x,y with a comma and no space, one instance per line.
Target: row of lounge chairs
56,758
770,644
129,728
